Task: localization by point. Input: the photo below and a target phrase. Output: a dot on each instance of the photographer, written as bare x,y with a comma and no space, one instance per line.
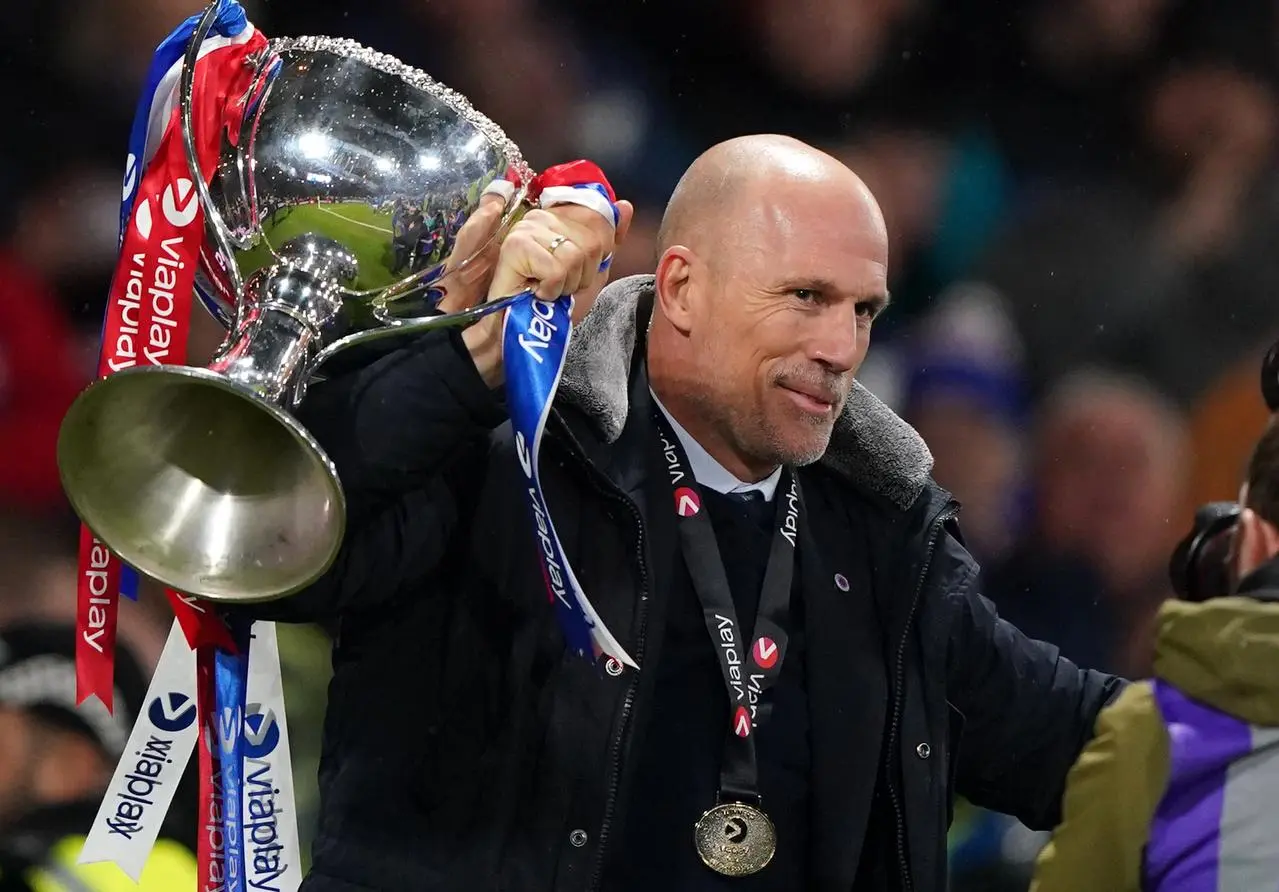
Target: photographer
1180,787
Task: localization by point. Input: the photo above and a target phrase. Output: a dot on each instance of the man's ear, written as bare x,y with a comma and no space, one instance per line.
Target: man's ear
1256,542
673,284
1268,533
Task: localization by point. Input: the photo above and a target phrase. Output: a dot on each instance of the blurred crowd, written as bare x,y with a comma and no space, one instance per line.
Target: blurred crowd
1080,196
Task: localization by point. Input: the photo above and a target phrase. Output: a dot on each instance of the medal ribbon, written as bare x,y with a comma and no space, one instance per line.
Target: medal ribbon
535,340
748,675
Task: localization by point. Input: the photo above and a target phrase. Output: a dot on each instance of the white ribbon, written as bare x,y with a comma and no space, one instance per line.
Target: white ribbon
272,854
147,776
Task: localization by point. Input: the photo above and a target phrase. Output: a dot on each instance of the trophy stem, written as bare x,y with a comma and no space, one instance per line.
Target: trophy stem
289,312
269,356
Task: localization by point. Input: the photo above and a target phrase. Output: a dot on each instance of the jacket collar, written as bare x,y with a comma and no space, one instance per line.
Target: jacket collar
871,447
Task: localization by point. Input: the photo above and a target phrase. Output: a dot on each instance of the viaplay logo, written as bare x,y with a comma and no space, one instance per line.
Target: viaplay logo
261,732
178,203
172,712
267,857
686,501
765,651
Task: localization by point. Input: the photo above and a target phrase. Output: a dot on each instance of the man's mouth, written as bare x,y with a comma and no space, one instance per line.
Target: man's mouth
812,398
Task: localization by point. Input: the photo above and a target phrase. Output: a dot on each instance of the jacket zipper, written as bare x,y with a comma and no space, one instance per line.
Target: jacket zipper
899,676
623,725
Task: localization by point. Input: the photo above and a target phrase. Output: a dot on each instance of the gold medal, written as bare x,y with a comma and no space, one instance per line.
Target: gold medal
735,840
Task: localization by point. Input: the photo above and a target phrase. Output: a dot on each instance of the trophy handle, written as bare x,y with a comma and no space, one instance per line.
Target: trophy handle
420,325
390,326
186,110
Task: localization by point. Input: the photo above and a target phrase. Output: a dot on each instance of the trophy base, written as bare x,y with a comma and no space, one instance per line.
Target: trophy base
200,484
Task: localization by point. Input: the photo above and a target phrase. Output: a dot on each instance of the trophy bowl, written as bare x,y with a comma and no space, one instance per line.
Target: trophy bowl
330,222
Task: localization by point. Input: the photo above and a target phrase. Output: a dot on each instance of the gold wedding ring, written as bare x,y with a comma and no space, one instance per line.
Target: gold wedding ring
556,242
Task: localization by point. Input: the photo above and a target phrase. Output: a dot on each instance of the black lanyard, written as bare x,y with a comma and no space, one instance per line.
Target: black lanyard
748,676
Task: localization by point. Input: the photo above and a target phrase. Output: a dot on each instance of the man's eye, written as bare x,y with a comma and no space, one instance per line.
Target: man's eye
805,294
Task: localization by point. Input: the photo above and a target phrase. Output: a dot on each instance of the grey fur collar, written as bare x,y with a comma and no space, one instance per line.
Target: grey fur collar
871,446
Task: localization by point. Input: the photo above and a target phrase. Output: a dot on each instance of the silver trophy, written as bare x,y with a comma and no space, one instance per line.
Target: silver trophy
330,223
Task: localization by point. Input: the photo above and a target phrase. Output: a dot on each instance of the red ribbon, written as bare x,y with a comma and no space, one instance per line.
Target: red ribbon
148,317
98,588
571,173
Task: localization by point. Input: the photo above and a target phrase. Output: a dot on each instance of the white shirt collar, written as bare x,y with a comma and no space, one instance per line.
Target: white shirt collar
709,472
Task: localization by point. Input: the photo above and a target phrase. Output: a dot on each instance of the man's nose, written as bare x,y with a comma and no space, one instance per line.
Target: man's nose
836,339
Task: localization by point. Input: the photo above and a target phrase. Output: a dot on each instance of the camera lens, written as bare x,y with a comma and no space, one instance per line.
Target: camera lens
1199,567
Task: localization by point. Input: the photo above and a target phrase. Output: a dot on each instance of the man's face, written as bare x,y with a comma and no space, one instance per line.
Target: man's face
1109,477
17,740
780,316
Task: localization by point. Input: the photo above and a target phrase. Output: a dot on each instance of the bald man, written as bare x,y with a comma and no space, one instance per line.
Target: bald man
760,534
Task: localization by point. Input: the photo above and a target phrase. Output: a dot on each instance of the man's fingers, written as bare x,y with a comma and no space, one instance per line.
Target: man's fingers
474,252
526,259
625,214
573,260
590,232
479,228
558,251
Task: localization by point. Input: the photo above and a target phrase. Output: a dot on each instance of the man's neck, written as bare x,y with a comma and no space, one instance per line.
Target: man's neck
696,426
671,375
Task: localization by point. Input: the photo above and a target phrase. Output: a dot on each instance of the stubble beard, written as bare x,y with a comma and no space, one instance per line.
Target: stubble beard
761,443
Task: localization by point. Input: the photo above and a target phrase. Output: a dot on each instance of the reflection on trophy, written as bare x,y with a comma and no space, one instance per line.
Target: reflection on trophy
328,222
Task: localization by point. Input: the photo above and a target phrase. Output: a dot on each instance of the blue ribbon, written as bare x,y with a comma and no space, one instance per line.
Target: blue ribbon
128,581
534,345
230,681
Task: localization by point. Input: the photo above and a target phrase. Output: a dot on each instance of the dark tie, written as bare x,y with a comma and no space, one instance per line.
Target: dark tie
756,506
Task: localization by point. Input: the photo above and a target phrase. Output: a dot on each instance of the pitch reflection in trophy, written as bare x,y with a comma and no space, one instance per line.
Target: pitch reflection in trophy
391,179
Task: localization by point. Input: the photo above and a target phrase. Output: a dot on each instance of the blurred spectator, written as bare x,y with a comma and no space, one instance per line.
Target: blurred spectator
942,195
826,48
1109,474
55,762
1133,272
964,396
1225,423
807,69
100,50
40,374
39,567
1054,78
